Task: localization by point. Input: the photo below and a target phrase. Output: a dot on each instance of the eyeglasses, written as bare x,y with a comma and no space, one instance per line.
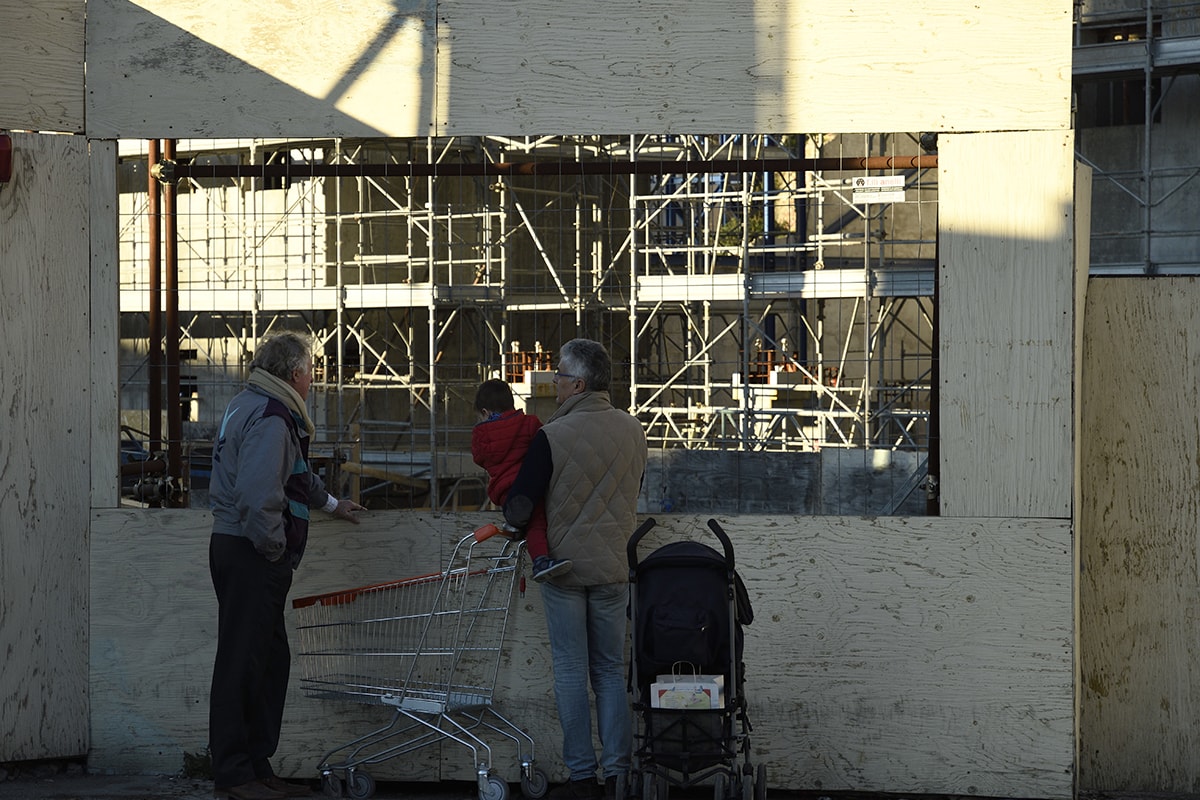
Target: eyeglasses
558,376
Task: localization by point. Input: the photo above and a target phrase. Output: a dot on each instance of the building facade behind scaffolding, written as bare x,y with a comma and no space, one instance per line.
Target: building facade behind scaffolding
768,301
1136,72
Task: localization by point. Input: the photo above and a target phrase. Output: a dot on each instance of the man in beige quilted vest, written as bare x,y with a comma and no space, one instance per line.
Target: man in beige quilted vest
586,463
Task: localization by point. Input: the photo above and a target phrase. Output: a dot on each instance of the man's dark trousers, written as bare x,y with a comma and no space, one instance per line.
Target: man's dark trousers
250,674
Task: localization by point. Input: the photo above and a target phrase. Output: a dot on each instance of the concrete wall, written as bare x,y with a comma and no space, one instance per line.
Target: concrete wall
832,481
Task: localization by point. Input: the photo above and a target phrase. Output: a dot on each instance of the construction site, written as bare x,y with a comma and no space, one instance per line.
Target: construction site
768,299
768,302
904,296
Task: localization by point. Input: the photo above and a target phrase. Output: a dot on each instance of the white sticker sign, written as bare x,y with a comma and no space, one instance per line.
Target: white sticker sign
877,189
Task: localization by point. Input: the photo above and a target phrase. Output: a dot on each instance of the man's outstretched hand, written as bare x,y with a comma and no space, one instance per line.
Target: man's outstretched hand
348,510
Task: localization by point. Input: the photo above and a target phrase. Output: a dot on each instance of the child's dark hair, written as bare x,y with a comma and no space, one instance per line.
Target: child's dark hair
494,395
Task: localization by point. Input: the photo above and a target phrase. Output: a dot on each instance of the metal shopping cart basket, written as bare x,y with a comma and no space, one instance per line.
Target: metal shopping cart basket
428,647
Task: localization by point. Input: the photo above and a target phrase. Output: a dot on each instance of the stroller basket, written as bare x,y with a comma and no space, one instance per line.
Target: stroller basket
688,741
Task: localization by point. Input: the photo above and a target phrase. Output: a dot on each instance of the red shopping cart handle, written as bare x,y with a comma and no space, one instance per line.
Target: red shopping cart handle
343,596
485,532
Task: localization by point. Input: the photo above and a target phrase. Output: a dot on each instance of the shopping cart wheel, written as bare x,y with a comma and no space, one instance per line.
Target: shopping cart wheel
534,785
331,785
496,789
359,785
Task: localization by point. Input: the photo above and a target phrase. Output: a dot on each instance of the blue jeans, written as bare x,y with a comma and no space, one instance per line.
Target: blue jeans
586,625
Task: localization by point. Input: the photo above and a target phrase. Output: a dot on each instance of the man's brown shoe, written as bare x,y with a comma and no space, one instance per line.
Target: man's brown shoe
288,788
251,790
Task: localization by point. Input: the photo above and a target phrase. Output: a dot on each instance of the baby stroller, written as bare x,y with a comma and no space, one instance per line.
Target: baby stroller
688,606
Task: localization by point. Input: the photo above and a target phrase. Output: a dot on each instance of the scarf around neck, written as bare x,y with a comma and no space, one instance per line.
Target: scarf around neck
282,391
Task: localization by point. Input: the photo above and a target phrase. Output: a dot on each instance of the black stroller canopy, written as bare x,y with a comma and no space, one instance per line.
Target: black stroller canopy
687,556
683,600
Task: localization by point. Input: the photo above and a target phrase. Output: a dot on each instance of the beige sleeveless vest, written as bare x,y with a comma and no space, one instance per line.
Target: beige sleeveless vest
599,455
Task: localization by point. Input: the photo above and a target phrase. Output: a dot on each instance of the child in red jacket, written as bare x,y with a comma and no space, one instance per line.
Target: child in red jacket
498,444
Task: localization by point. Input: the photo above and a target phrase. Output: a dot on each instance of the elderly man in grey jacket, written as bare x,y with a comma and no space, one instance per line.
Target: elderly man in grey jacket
586,463
261,491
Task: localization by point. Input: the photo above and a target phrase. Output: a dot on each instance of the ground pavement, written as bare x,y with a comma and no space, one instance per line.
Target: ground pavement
115,787
73,784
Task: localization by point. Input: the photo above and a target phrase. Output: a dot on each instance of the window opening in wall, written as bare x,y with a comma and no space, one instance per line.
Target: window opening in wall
1116,101
767,300
1105,100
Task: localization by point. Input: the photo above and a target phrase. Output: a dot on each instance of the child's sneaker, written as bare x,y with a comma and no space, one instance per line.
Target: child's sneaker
547,567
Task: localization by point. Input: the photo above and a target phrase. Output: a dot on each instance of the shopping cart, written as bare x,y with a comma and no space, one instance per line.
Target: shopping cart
429,647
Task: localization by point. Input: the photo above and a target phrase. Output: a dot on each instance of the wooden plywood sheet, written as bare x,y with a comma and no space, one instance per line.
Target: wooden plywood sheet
710,65
42,83
472,67
888,654
912,655
930,65
181,68
44,448
1006,294
1140,579
1083,240
104,311
154,633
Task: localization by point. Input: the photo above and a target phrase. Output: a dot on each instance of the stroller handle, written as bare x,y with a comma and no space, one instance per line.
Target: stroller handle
644,528
631,545
716,528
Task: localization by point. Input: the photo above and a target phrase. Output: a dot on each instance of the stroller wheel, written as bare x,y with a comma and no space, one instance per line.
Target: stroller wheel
633,785
743,786
760,783
655,787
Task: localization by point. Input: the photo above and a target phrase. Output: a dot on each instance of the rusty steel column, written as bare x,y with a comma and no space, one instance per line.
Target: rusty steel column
154,259
171,268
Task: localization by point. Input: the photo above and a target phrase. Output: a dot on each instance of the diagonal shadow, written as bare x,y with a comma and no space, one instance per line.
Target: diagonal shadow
148,77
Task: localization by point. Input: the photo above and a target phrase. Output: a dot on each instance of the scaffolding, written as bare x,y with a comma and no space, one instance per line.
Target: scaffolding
759,293
730,293
1136,66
